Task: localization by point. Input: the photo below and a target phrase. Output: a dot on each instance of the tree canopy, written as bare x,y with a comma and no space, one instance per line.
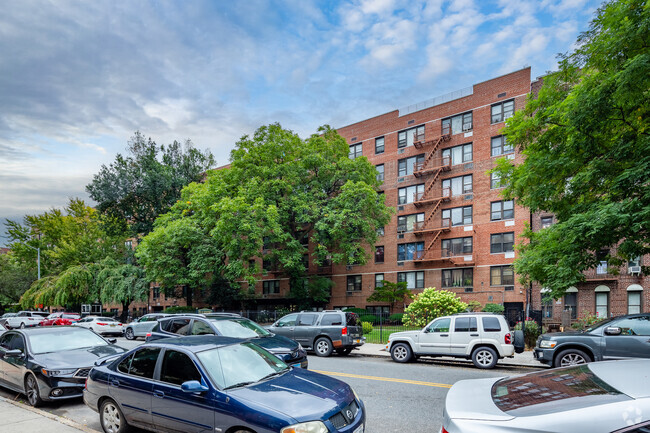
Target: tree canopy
145,183
15,279
279,194
432,303
586,142
391,293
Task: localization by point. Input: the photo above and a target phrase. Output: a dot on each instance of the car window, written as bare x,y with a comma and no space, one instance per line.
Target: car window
491,324
440,325
143,363
199,327
179,326
331,320
177,368
17,343
289,320
125,364
5,341
307,319
634,325
465,324
65,339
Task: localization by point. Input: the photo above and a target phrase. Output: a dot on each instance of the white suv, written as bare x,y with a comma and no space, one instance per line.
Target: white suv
26,318
482,337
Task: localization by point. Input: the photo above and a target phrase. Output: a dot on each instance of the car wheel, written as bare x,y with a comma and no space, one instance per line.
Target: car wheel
31,390
484,357
22,325
129,334
111,418
323,347
571,357
344,352
401,352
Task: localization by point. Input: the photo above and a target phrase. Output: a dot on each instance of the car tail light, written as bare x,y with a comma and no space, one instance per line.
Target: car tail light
102,324
148,334
508,338
86,383
344,331
444,430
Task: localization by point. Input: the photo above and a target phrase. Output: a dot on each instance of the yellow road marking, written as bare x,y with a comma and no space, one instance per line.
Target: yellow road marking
384,379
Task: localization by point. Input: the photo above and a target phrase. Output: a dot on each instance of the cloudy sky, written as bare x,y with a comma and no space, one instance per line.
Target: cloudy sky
77,78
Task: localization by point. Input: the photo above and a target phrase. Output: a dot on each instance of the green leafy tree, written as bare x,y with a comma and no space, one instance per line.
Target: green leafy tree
145,183
76,285
474,306
493,308
432,303
123,284
390,293
15,279
586,142
279,193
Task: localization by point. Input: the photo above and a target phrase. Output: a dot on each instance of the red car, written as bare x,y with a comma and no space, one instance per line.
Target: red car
56,319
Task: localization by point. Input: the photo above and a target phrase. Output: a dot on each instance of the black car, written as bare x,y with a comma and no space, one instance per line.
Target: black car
615,338
230,325
50,363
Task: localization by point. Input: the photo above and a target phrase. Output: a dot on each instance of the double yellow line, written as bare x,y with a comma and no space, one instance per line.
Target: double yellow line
384,379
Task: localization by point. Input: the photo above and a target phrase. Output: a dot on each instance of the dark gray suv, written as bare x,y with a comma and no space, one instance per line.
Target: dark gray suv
322,331
616,338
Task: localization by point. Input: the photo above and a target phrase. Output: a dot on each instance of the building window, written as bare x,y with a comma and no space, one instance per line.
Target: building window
546,222
270,287
500,146
602,261
458,277
407,223
379,254
128,245
407,137
502,242
495,181
458,216
354,283
503,110
410,251
380,231
458,154
406,166
156,292
547,306
502,210
571,304
602,304
634,302
414,280
502,276
377,310
379,280
269,265
380,172
457,124
410,194
456,246
459,185
379,145
355,151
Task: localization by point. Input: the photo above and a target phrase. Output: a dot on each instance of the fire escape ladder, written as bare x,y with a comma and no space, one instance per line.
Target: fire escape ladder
436,235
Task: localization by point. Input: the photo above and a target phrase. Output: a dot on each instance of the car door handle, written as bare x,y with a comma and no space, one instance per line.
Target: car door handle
473,335
444,335
159,394
115,383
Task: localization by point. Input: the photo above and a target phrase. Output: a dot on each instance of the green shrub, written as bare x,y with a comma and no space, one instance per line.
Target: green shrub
531,331
359,311
179,309
474,306
432,303
367,327
370,318
396,318
494,308
585,320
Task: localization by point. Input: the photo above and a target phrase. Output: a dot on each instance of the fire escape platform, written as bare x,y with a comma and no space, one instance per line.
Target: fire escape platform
431,230
428,201
426,171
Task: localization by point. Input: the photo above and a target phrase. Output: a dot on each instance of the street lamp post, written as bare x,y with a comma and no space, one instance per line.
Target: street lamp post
38,256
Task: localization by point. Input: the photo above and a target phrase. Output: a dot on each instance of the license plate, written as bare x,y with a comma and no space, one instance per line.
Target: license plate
358,340
360,429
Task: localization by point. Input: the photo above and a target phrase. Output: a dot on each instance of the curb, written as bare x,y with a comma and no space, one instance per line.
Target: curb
57,418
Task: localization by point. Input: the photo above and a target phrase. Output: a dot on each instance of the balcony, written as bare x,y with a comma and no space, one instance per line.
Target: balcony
420,227
446,256
424,198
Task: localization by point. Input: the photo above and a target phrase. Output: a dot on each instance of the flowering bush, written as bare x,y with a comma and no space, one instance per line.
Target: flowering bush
586,320
531,331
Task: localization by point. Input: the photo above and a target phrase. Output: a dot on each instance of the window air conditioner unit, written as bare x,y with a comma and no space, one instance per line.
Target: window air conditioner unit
634,270
467,127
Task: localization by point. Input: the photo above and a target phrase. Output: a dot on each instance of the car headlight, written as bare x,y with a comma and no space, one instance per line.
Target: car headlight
306,427
547,344
61,372
355,394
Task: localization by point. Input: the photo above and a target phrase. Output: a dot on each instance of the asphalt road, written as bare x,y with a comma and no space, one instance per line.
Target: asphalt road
398,397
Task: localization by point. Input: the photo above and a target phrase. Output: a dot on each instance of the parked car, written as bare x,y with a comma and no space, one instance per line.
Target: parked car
322,331
2,329
142,326
60,319
619,337
230,325
599,397
482,337
210,383
50,363
25,319
101,325
4,317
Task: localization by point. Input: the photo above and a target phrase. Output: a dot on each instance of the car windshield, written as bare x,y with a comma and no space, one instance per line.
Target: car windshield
65,339
70,316
240,365
552,391
240,328
598,325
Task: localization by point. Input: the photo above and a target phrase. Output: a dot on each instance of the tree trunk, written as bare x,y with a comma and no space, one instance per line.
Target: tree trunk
188,295
124,317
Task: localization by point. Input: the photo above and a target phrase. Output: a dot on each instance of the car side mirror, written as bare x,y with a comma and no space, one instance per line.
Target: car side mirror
15,353
112,340
192,386
612,330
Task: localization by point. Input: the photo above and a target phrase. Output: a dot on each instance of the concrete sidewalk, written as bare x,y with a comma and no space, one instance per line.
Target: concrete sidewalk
525,359
19,417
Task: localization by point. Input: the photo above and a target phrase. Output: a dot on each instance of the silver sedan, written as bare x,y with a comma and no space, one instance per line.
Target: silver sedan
603,397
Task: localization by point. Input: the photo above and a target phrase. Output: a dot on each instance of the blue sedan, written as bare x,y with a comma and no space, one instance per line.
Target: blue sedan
217,384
